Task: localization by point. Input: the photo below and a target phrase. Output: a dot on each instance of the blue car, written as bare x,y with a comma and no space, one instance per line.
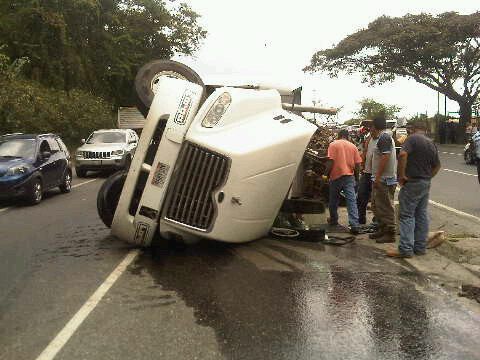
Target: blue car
32,164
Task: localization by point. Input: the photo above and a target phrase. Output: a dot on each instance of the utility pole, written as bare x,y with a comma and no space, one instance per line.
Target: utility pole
445,105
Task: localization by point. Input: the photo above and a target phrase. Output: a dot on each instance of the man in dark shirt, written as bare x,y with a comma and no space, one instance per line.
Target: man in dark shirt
418,162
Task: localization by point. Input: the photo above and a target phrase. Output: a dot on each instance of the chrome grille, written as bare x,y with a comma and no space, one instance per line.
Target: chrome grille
198,174
96,154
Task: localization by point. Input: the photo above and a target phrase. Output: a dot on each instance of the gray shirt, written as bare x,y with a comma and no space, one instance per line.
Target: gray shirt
372,143
422,156
385,145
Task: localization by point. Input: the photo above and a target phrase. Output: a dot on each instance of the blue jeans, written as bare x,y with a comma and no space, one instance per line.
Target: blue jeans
347,184
413,199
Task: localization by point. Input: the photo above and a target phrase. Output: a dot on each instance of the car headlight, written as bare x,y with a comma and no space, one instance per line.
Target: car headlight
217,110
17,170
79,154
117,152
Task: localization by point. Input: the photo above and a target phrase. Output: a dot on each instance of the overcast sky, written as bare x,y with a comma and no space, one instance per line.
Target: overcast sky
267,40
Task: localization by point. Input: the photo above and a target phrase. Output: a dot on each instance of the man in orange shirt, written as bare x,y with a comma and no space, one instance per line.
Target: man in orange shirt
343,170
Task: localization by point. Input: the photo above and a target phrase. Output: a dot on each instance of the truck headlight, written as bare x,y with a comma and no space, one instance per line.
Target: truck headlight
217,110
117,152
17,170
79,154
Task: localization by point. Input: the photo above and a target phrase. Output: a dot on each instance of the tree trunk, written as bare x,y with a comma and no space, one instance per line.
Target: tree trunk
465,119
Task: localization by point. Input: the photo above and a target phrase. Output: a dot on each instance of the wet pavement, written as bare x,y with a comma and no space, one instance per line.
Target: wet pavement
269,299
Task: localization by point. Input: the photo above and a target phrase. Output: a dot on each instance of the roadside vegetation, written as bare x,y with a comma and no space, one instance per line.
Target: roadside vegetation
65,66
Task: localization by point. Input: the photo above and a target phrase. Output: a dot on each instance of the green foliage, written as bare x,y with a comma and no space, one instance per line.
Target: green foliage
26,106
370,109
95,45
441,52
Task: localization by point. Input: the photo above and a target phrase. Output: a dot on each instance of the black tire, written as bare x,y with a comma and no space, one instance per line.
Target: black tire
66,185
81,173
128,162
149,73
35,192
108,196
468,157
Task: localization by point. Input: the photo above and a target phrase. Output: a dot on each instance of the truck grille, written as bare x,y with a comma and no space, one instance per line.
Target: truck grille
96,154
198,174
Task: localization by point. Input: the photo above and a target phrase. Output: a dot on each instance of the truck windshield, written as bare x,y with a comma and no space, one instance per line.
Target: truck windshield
107,137
17,148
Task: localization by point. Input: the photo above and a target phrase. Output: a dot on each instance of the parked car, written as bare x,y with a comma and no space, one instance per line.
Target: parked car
33,164
110,149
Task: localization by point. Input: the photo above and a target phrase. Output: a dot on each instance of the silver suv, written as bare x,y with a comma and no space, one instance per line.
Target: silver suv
110,149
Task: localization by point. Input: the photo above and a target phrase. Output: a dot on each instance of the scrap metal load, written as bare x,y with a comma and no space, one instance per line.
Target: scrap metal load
315,162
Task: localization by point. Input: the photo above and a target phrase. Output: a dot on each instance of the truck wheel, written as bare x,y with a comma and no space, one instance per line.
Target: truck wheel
108,196
149,75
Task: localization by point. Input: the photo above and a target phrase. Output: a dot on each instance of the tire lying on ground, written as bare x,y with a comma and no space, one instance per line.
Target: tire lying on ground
108,196
149,75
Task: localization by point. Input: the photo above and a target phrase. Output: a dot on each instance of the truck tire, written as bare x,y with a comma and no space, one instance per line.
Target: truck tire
108,196
150,73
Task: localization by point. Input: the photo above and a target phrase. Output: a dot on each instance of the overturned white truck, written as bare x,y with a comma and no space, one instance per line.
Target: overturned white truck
212,162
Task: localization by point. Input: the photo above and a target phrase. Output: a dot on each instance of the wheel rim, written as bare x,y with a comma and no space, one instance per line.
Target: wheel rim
68,181
37,191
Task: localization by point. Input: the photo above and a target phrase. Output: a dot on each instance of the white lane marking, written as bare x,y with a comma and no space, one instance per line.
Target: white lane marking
450,153
83,183
73,187
66,333
451,209
460,172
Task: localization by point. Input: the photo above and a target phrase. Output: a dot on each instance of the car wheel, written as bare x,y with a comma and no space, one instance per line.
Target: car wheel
108,196
66,185
149,75
35,193
80,172
128,162
468,157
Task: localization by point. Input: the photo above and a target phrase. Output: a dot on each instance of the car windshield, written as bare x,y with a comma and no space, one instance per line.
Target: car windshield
106,137
17,148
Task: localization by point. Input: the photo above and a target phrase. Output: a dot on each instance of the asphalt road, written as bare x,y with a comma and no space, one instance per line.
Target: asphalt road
268,299
456,185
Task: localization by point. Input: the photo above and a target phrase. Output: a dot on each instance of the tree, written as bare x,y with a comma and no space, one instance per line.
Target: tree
369,109
441,52
96,45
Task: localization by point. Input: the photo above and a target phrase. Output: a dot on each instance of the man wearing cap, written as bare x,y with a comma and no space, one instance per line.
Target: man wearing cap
384,176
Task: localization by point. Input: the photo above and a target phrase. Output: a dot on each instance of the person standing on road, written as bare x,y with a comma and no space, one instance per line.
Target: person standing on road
476,142
418,163
365,183
384,176
343,169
